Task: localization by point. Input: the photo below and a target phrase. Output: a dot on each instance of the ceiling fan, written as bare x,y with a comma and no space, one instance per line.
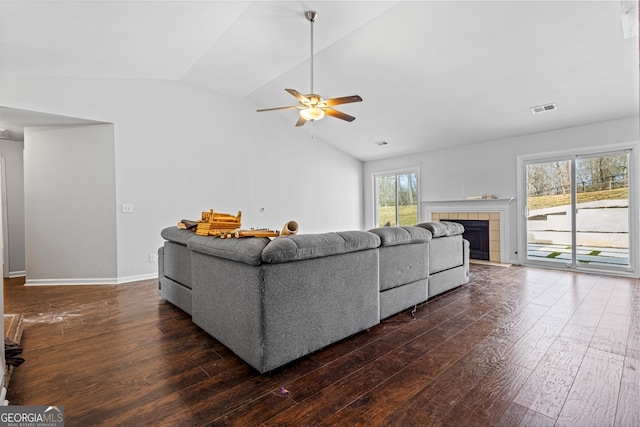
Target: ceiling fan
312,106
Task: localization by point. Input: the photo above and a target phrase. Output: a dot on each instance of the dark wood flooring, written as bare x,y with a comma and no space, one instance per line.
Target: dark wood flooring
516,346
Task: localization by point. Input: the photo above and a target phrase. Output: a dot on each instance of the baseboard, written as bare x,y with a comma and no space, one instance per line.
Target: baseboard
13,274
137,278
60,282
98,281
479,261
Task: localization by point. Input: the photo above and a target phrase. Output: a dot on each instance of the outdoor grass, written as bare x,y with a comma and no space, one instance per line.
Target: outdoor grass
541,202
407,215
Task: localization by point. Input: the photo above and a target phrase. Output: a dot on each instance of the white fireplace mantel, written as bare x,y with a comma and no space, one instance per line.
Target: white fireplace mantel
466,205
500,206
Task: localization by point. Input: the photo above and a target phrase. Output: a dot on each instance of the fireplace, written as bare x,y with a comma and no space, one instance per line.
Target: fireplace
476,231
496,211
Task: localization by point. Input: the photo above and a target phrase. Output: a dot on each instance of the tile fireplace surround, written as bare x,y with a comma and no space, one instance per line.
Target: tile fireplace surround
496,211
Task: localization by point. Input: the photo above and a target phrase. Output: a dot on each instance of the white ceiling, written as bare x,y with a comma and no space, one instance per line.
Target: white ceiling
432,74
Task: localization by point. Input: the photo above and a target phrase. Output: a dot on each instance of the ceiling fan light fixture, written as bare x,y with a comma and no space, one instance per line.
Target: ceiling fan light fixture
312,106
312,113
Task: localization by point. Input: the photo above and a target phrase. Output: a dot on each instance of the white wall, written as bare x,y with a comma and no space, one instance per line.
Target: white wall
12,153
180,150
490,167
69,195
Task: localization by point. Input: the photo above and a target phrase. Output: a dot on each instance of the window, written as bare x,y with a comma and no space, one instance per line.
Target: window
396,198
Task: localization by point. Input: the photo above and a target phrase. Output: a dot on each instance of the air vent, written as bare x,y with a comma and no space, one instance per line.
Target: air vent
382,143
543,108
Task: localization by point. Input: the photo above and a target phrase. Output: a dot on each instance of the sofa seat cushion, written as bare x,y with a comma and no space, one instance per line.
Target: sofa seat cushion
247,250
177,235
443,228
176,263
306,246
445,253
176,259
391,236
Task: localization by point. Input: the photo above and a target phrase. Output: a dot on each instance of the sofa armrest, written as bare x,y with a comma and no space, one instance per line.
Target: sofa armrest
177,235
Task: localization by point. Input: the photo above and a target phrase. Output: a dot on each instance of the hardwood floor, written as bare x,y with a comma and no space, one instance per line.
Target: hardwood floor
516,346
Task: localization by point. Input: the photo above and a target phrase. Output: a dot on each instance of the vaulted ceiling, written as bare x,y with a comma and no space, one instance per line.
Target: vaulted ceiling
432,74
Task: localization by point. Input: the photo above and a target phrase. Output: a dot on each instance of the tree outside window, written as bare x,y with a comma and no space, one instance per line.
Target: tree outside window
396,199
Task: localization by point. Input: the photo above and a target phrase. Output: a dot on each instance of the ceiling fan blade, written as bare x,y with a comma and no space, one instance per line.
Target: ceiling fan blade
338,114
279,108
343,100
301,121
300,97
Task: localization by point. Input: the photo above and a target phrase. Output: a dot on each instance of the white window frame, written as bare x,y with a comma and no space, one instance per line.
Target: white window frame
396,172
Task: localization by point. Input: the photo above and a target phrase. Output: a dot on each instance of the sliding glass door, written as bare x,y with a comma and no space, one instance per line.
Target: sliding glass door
577,212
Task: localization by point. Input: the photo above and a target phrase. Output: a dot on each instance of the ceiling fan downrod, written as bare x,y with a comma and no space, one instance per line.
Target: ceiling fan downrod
311,17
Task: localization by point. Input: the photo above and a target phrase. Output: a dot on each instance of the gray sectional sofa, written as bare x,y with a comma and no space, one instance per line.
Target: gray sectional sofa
274,301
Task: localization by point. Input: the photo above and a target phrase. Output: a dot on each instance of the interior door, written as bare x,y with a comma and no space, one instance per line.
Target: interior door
577,212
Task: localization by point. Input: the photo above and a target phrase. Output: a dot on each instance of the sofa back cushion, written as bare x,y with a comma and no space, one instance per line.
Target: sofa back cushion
443,228
247,250
392,236
305,246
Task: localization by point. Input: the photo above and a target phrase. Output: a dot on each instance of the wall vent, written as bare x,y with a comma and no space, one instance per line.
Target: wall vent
543,108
